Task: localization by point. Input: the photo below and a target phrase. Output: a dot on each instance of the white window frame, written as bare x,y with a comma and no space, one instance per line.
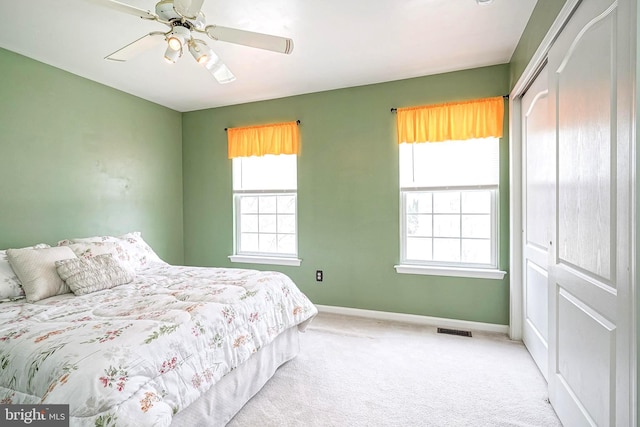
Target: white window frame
253,257
449,268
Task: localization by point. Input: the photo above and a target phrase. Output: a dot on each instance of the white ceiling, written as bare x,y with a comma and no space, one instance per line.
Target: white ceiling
338,43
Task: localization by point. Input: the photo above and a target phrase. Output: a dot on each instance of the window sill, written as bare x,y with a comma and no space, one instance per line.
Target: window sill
475,273
265,260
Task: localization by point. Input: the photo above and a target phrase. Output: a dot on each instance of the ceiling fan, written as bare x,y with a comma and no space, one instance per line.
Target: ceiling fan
184,19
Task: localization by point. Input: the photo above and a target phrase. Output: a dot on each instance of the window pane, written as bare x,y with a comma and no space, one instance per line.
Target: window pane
446,250
287,204
446,202
476,226
248,204
476,201
419,249
446,225
418,202
450,163
249,223
268,231
406,165
249,242
287,243
419,225
267,224
268,243
286,224
265,173
267,204
476,251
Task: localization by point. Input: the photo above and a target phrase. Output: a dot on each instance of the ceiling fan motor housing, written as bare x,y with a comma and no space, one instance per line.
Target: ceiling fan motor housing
165,11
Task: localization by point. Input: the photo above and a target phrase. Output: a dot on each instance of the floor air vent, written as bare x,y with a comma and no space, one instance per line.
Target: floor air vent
454,332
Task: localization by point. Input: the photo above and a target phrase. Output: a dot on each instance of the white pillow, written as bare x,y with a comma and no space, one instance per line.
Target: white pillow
9,282
86,275
36,269
139,253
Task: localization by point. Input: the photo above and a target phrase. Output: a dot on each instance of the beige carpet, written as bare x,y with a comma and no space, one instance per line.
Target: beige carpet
360,372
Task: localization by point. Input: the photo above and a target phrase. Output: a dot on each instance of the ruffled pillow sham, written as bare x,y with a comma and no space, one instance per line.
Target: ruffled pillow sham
136,251
93,249
93,274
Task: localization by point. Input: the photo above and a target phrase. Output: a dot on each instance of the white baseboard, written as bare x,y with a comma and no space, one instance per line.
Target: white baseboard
415,319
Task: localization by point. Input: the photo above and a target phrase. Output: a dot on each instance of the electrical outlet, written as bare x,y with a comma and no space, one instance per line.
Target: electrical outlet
319,275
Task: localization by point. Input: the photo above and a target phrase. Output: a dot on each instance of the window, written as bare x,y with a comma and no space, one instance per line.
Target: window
265,192
265,200
449,202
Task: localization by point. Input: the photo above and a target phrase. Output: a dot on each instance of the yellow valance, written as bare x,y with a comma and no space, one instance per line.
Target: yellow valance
278,138
454,121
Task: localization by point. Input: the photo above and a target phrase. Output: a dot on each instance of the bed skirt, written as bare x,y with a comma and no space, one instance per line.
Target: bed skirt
222,401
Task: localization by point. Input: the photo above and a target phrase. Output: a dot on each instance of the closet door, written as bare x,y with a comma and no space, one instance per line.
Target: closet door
538,187
589,272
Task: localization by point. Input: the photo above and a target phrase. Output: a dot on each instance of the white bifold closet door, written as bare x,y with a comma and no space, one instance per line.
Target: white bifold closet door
590,100
538,178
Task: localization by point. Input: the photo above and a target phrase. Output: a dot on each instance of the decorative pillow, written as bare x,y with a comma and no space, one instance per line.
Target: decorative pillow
36,269
138,252
9,283
90,250
94,239
86,275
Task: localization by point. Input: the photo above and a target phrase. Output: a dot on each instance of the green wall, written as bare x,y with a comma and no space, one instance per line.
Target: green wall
348,195
80,159
542,17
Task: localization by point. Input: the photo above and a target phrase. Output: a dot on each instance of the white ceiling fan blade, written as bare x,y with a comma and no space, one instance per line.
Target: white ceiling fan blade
137,47
126,8
207,57
221,73
188,8
249,38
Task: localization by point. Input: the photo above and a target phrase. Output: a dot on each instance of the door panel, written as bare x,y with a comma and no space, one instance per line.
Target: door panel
588,260
537,299
538,186
585,87
591,380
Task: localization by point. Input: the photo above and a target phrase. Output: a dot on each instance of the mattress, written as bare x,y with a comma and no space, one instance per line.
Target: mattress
140,353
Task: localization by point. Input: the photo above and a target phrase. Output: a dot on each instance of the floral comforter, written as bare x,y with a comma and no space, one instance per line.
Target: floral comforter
136,354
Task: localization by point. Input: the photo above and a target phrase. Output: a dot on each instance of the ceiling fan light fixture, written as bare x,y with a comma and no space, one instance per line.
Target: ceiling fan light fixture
171,55
177,37
174,43
200,51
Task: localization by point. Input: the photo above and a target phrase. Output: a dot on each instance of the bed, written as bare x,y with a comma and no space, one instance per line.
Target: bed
175,346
